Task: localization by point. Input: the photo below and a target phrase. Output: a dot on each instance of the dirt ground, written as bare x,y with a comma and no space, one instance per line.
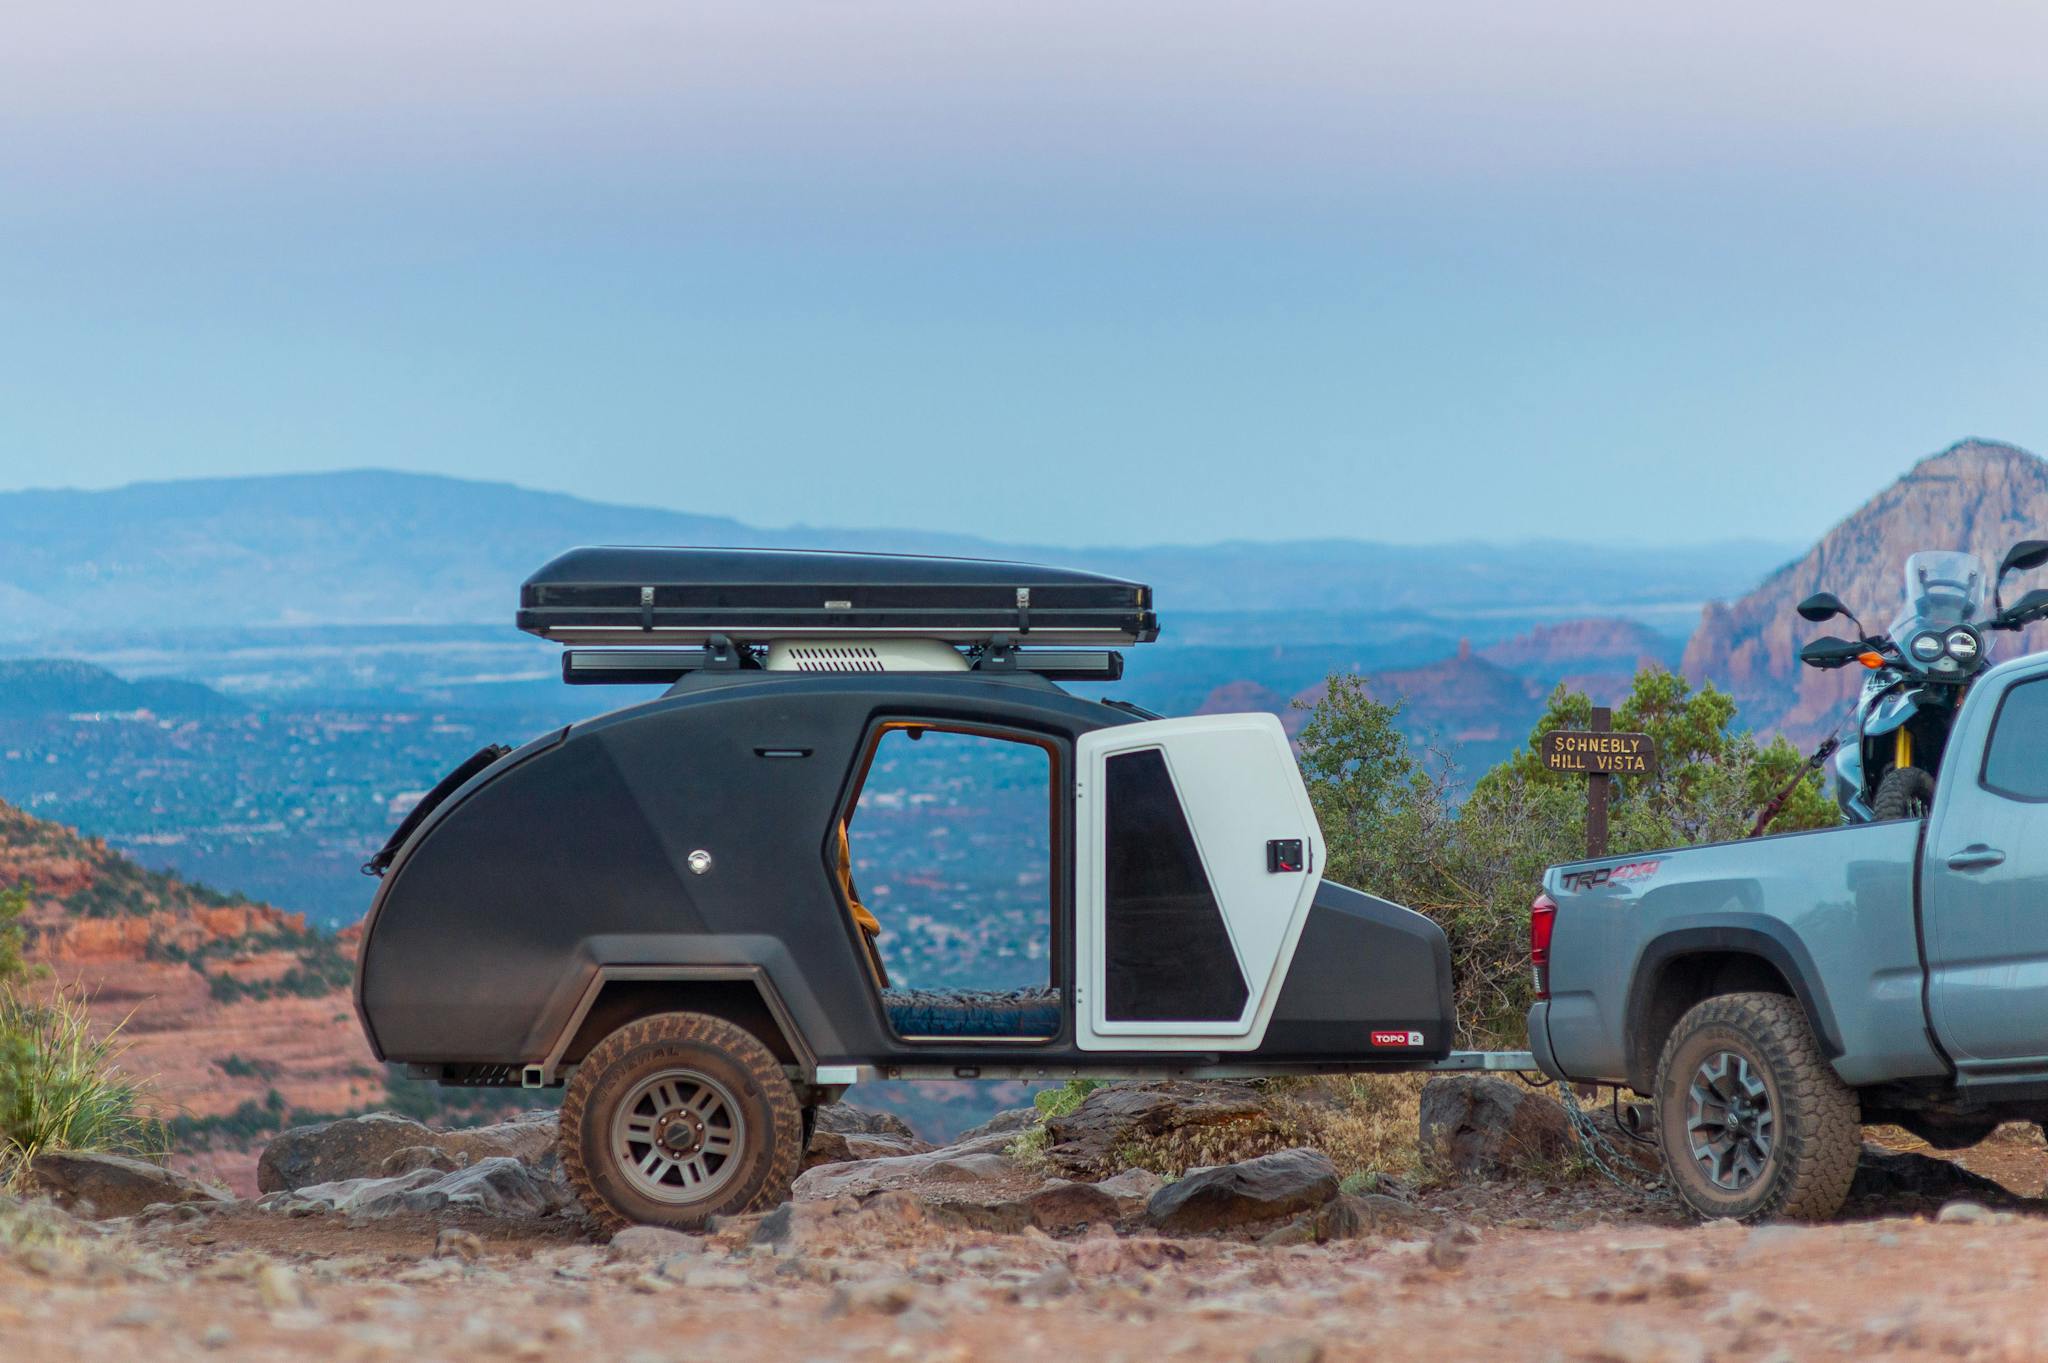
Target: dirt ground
1582,1271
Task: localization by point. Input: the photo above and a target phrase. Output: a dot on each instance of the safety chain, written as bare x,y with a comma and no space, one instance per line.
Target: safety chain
1604,1155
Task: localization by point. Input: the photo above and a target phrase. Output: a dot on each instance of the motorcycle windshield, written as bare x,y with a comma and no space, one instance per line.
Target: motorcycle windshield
1943,588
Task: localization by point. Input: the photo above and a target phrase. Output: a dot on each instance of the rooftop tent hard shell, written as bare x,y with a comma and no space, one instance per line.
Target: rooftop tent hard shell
630,594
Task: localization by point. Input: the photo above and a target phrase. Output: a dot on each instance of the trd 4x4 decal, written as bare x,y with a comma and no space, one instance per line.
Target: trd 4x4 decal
1626,873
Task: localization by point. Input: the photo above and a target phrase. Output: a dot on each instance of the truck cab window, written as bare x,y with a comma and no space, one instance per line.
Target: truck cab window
951,852
2016,760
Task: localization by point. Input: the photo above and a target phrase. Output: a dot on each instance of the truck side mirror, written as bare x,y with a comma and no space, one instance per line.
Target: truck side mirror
1825,606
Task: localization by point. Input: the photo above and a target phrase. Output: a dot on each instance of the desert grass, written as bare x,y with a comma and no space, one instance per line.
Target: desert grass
1366,1123
63,1087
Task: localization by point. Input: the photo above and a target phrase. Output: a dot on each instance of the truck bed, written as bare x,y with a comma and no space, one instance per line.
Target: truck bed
1832,910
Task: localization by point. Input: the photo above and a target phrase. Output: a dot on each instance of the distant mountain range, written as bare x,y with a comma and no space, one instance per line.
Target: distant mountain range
1481,703
1980,496
385,548
56,686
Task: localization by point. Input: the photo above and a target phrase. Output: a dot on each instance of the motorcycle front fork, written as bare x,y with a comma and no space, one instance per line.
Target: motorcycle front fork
1902,751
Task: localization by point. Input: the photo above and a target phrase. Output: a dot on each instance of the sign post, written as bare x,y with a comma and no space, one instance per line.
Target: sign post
1600,754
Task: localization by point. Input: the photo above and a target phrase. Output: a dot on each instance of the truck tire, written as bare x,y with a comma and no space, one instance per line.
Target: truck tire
1752,1121
1904,793
677,1118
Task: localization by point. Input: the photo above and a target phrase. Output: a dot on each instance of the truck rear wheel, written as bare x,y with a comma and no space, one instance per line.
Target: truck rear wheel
1752,1121
677,1118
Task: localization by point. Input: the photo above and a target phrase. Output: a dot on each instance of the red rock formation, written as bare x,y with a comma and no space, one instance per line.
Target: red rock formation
1243,697
1576,645
146,950
1460,698
1977,496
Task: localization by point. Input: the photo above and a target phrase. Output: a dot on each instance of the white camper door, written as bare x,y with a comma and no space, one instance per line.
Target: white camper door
1197,860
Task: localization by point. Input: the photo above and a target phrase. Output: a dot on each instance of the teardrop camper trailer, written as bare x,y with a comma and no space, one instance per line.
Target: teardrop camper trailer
676,909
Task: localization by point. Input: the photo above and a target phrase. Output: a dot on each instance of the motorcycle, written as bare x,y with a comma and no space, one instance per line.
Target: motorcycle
1919,672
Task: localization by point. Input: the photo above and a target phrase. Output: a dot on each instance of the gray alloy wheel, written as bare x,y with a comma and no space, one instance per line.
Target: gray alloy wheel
1752,1121
678,1136
1730,1126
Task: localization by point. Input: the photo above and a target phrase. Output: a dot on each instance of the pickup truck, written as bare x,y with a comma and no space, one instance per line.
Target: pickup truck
1775,994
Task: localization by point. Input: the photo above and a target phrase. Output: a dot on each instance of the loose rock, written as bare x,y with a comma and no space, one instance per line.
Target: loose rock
1007,1122
650,1242
1288,1351
101,1186
280,1288
360,1147
1085,1143
879,1296
966,1162
837,1147
1061,1205
846,1119
453,1243
1481,1126
1246,1193
499,1186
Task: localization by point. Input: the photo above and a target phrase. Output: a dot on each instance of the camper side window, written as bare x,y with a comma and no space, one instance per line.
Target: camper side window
1167,952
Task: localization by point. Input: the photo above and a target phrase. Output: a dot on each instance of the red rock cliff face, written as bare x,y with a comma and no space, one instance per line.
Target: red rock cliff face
222,1002
1577,645
1977,496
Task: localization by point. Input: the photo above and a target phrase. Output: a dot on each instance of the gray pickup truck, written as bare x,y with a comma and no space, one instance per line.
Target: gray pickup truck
1775,994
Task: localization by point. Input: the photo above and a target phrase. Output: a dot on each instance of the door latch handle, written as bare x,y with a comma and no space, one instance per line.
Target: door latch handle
1975,857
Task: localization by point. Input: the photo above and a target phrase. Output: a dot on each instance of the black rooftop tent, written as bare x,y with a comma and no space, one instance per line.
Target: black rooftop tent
640,595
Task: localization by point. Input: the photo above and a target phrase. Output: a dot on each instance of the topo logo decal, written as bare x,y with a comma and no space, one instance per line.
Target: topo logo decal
1397,1038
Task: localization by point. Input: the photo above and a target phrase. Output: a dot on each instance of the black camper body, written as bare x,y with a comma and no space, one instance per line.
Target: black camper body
681,858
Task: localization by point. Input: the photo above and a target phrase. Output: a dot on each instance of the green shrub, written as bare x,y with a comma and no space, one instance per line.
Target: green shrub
13,904
236,1067
1053,1102
63,1088
322,968
1394,826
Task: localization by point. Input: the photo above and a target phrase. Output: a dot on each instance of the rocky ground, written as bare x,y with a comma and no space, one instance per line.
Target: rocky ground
377,1238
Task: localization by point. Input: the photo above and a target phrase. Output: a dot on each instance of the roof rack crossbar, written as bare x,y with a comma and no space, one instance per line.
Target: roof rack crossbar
664,666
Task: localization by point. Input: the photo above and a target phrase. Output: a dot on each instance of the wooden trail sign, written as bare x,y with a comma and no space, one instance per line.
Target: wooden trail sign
1599,754
1595,751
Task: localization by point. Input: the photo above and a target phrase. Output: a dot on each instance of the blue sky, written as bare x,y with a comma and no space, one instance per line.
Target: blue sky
1055,272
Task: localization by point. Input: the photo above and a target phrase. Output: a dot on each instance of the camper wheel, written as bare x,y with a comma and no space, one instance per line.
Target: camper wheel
677,1118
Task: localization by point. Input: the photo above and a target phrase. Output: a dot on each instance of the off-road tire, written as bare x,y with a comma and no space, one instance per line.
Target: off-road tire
769,1152
1904,793
1817,1119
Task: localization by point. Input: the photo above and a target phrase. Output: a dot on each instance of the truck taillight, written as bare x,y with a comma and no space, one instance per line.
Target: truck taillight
1542,918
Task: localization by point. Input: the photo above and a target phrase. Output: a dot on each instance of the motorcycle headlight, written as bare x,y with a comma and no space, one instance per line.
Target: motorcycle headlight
1963,646
1927,647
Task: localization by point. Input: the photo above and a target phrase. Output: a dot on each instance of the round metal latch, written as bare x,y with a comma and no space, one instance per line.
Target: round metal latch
700,861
